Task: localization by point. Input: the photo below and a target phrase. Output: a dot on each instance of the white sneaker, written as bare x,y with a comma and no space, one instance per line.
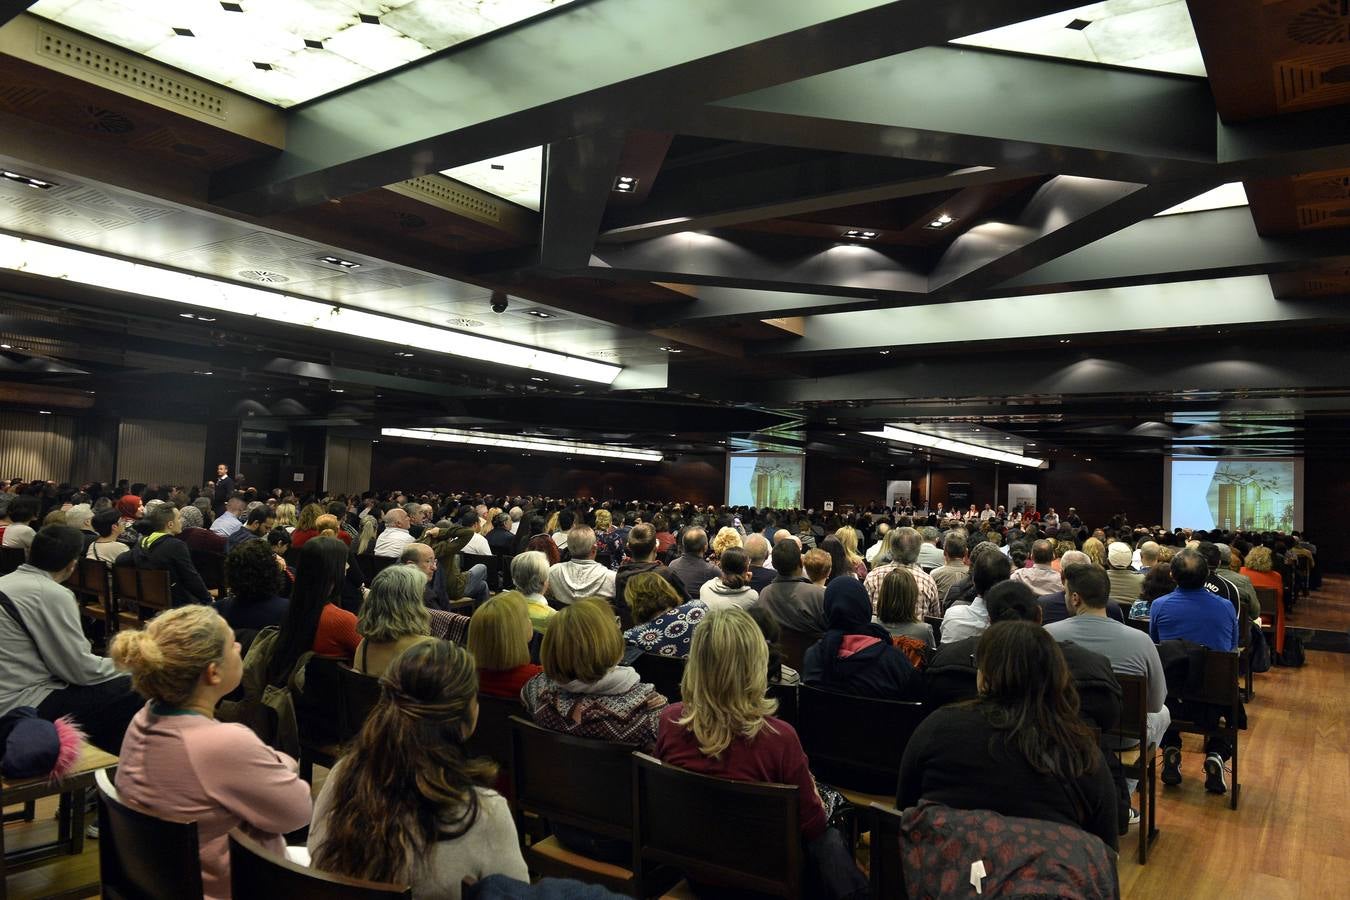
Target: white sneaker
1216,779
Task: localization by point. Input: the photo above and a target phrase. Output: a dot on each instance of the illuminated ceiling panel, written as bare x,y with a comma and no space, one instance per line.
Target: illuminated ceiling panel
1222,197
512,176
1156,35
288,51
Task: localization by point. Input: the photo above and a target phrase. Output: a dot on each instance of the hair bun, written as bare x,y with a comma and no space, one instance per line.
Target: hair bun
137,651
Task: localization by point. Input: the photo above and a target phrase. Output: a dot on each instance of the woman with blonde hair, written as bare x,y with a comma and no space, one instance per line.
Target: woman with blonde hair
1061,547
286,516
725,539
407,804
499,639
393,617
725,727
365,541
608,539
178,762
848,536
1096,551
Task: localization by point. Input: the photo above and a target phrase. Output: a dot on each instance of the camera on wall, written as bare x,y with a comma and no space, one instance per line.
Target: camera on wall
498,302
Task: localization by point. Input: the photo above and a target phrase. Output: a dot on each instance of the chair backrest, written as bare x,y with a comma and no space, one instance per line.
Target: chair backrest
1218,681
153,590
378,564
737,834
292,557
143,857
582,782
492,737
794,645
504,568
211,566
1133,709
855,742
10,559
936,623
664,672
256,872
319,707
786,695
888,872
126,583
358,693
1269,601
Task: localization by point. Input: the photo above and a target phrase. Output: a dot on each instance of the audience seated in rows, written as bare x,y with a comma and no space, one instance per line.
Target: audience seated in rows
45,661
1021,748
499,639
406,804
177,762
903,545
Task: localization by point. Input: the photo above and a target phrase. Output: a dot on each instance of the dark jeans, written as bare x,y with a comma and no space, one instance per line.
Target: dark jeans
1204,714
103,710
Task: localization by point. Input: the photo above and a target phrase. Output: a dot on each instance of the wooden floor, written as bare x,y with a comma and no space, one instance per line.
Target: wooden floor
1288,839
1328,609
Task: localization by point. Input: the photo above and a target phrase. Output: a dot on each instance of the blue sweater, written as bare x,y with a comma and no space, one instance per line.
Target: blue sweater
1194,614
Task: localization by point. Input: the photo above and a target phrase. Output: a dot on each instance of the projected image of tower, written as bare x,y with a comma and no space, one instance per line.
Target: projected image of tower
1227,513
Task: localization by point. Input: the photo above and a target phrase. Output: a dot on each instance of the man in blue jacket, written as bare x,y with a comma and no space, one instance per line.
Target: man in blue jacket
1191,613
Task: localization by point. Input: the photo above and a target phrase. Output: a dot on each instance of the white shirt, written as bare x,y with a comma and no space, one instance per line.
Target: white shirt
478,546
227,524
514,526
873,550
19,535
965,620
392,541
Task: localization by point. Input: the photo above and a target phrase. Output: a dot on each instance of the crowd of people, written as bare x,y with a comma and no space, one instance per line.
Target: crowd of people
1011,628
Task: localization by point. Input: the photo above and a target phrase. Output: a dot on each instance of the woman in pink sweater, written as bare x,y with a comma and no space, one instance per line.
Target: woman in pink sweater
179,763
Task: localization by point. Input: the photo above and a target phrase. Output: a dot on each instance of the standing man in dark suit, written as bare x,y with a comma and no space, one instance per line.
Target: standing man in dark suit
224,488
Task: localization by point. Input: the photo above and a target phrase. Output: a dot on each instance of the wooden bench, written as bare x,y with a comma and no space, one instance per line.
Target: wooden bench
74,791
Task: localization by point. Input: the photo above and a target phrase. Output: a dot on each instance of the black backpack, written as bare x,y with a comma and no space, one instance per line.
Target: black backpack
1293,655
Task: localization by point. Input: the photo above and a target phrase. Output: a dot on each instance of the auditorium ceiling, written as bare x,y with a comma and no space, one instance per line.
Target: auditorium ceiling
1068,230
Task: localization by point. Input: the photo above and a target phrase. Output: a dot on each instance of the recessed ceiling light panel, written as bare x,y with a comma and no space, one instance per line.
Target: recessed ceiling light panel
522,442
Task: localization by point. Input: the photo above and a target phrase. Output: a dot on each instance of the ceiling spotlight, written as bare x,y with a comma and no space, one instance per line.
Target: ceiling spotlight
941,221
1063,340
625,184
340,263
539,314
403,353
28,180
202,372
859,234
538,379
8,347
884,352
497,301
670,349
44,412
205,319
187,315
338,390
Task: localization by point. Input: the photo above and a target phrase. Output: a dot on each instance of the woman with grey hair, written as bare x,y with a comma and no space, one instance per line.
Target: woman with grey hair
393,618
192,517
529,573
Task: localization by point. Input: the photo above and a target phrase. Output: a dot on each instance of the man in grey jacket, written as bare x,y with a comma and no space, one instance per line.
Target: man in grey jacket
791,598
44,656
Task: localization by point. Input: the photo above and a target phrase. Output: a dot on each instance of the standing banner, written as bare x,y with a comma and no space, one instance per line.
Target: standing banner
1020,495
898,492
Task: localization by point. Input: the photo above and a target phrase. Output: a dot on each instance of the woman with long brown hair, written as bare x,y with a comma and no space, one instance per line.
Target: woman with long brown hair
406,804
1020,748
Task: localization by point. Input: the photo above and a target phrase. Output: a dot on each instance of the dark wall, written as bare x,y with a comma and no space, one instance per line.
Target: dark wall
696,479
1326,497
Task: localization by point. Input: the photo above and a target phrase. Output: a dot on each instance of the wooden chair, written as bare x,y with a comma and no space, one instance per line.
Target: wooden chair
738,834
144,857
888,870
664,672
855,743
318,713
1141,761
491,562
492,737
358,693
1217,686
936,623
1272,614
504,568
11,558
794,645
93,589
594,794
256,872
786,695
141,593
211,566
72,791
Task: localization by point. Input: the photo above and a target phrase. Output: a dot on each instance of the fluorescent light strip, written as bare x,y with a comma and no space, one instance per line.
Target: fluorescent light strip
83,267
513,442
905,436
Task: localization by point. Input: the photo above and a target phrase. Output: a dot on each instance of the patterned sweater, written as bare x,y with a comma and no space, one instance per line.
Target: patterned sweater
618,707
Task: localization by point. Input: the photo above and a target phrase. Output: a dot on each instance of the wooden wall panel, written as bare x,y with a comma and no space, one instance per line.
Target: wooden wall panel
163,453
348,465
33,445
95,450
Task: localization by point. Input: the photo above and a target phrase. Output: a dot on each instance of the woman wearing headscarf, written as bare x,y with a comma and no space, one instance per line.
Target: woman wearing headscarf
855,656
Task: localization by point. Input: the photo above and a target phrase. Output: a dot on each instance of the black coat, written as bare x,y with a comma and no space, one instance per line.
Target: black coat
171,555
879,671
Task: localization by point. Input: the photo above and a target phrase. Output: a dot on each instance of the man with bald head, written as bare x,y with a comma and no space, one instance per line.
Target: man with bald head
757,551
396,535
1054,607
1041,578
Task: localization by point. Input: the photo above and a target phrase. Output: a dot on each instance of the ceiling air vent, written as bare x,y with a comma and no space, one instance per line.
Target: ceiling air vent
1326,22
118,70
108,121
441,192
465,323
262,275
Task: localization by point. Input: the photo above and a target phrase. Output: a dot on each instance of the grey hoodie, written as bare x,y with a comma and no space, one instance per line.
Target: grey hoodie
577,579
